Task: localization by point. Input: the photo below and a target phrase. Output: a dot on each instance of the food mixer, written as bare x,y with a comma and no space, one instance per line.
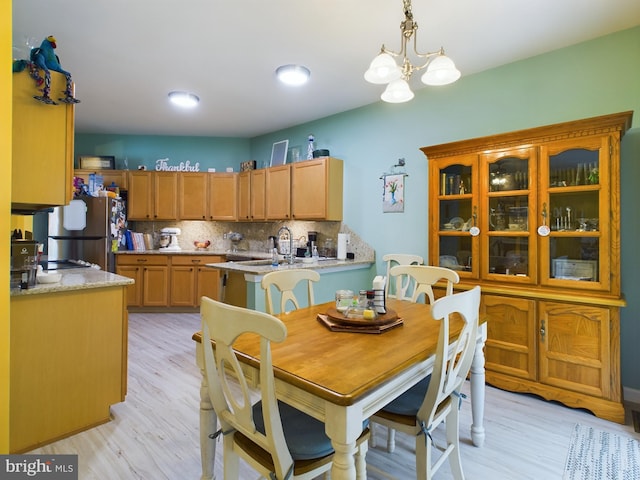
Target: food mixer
169,239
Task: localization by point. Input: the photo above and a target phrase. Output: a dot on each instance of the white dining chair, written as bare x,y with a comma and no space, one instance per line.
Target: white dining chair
401,284
285,281
277,440
438,398
423,277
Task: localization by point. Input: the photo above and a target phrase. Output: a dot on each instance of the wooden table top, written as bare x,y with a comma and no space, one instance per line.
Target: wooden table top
341,367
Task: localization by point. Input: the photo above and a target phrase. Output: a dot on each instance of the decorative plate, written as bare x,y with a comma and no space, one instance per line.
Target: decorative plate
457,223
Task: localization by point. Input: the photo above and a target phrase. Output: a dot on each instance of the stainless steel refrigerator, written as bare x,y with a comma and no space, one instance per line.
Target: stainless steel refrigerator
89,229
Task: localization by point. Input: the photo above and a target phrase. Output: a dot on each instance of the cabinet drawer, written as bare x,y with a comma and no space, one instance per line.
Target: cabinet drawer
195,260
143,259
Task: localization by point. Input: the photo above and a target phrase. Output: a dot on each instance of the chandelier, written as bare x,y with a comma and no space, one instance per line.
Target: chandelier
440,69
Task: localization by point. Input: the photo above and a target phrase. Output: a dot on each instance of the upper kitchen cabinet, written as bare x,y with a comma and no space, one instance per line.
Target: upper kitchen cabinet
42,163
278,192
193,191
152,195
316,189
252,195
109,177
223,194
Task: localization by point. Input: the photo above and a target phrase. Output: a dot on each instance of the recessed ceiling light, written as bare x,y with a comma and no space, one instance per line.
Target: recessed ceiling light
183,99
293,74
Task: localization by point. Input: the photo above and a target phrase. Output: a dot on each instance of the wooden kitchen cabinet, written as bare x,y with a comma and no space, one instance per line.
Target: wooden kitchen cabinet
278,192
169,280
191,279
151,275
223,196
316,189
42,145
534,218
119,177
193,192
68,363
252,195
152,195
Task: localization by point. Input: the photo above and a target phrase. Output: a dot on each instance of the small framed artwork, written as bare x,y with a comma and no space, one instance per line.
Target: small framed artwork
279,153
92,162
248,165
393,194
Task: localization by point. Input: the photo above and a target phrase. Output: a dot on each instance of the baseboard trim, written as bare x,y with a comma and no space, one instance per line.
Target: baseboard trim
631,395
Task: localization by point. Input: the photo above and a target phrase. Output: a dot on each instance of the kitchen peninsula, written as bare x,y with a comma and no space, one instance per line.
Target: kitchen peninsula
68,356
241,279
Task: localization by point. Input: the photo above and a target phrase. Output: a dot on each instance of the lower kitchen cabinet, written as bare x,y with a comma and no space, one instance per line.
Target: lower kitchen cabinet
559,350
169,280
151,275
190,280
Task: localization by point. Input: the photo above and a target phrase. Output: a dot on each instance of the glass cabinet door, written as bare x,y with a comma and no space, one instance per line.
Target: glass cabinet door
574,180
508,209
453,224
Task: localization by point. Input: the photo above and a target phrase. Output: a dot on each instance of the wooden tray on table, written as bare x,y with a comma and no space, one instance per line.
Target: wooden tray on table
338,322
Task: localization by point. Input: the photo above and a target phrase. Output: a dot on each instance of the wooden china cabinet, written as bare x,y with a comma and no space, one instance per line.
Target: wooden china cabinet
533,216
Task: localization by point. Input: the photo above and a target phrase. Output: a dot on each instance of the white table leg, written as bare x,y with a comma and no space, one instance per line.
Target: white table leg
208,423
477,392
343,428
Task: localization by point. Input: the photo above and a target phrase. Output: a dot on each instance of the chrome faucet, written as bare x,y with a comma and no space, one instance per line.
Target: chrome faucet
290,259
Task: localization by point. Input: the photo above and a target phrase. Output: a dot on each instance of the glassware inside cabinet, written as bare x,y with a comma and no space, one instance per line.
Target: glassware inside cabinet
509,255
455,180
576,166
509,213
574,212
455,215
574,258
455,252
509,174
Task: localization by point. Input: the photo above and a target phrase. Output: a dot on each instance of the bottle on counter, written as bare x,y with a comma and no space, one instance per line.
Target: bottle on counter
274,257
315,255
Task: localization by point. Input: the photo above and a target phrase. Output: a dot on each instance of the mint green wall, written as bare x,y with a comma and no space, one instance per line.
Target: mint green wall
589,79
585,80
217,153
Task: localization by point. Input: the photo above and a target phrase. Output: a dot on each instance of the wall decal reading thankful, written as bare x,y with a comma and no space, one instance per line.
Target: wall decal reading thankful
162,165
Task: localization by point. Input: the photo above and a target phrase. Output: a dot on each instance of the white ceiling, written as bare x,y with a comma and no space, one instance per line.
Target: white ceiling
126,55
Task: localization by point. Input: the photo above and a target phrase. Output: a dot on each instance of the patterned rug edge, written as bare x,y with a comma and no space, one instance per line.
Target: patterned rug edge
598,455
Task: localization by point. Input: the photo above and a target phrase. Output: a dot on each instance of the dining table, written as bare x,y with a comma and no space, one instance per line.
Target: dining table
343,378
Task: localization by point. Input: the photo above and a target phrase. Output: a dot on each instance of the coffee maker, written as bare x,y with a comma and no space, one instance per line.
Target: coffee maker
312,240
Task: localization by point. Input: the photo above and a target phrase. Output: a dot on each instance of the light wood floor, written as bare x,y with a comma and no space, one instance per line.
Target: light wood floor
154,433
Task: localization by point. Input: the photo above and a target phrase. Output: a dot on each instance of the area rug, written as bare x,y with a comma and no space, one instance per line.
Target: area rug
597,455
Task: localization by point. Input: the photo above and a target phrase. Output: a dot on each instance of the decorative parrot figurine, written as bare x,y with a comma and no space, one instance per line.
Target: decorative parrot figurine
45,58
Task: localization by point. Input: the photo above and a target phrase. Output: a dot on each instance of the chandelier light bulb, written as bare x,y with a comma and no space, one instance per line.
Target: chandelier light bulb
383,69
294,75
440,71
397,91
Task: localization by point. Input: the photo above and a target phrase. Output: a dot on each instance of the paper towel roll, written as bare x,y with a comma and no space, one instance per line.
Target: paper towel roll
342,246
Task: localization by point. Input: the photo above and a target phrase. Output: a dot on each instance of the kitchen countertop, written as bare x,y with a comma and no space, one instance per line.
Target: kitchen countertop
243,253
75,279
256,268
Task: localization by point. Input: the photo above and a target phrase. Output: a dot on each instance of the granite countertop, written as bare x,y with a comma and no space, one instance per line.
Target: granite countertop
260,267
76,279
243,253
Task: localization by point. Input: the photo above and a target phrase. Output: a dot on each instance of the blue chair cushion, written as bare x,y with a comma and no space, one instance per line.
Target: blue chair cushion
304,434
410,401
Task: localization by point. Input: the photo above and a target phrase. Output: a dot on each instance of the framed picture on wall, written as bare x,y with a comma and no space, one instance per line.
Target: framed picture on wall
249,165
279,153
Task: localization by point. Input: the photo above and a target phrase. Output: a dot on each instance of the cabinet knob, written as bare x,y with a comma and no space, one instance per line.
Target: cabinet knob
542,330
